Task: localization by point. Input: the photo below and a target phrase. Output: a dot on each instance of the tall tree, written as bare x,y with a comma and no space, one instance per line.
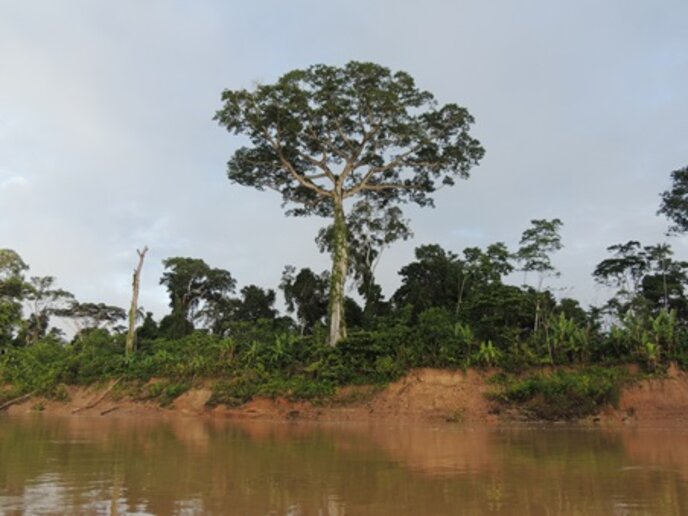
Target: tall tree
255,303
89,316
326,134
433,280
306,294
42,300
645,278
483,268
624,270
12,269
536,245
194,288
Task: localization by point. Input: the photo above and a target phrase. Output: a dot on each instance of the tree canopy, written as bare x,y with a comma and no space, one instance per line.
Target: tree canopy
674,203
195,291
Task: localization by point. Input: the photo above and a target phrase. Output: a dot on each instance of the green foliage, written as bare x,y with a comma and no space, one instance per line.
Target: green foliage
561,394
435,343
361,116
537,242
647,280
567,341
297,388
196,290
488,355
95,356
431,281
360,359
39,368
243,387
196,356
235,391
675,201
370,230
164,391
305,293
12,286
450,312
91,316
324,134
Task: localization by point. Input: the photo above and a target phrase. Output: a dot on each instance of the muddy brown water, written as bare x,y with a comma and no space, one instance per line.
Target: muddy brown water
83,465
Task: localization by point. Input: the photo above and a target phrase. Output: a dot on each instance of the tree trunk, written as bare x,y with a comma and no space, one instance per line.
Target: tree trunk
130,346
459,300
537,305
338,276
664,285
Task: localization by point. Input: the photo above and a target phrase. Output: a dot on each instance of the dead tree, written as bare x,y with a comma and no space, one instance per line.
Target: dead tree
133,310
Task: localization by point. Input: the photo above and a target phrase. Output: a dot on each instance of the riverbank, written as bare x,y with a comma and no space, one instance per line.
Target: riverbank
422,395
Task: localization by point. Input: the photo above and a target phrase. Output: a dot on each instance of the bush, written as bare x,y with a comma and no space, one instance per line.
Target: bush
561,394
38,368
234,392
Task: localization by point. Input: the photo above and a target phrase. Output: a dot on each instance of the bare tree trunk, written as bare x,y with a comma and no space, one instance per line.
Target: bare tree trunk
537,305
338,277
664,284
135,284
459,300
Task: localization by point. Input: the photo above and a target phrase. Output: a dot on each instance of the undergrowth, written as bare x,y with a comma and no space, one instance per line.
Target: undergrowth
560,394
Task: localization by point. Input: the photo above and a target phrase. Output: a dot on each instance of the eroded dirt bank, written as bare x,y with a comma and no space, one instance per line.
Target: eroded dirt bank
422,395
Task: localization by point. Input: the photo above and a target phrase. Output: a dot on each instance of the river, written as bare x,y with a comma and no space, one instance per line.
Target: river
83,465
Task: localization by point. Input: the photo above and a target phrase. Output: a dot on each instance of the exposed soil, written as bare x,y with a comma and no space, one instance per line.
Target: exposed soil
422,395
653,400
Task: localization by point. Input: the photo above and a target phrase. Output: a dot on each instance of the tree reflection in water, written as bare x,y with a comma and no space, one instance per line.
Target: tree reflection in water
192,466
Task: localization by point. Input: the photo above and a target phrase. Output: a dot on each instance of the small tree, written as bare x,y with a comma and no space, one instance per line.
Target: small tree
323,135
537,243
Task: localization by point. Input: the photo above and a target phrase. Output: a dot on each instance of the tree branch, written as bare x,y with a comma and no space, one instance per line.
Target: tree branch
390,186
362,185
302,180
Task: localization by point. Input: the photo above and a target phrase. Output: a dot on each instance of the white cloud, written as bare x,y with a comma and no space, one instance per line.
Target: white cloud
13,182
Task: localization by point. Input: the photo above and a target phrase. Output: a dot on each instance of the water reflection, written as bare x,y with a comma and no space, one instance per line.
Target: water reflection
196,466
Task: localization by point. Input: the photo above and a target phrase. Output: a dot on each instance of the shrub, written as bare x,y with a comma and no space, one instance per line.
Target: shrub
561,394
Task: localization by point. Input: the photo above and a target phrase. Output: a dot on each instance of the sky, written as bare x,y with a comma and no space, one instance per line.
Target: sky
107,141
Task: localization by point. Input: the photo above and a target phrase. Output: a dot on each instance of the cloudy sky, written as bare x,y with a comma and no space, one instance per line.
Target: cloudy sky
107,141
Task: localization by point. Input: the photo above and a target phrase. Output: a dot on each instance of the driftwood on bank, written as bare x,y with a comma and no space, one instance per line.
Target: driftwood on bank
100,398
9,403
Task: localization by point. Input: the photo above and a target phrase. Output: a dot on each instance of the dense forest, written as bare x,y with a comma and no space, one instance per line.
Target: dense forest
453,309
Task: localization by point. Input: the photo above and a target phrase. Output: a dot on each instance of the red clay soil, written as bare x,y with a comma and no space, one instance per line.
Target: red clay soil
654,400
424,395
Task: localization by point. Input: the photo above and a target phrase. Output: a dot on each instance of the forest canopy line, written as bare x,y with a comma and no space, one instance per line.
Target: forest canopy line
354,144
